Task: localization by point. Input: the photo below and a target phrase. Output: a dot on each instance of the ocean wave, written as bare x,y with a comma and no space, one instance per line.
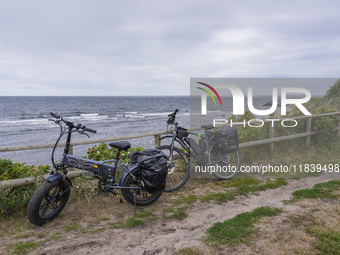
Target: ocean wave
25,122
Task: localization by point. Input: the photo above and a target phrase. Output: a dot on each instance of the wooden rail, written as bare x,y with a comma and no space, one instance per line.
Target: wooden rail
271,140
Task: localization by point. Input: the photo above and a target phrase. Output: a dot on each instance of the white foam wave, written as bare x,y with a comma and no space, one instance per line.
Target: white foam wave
31,122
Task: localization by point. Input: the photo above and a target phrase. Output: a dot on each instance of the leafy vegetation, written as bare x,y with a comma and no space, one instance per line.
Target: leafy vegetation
15,199
10,170
104,152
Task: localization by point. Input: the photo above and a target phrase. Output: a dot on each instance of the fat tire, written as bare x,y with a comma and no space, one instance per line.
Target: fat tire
170,186
41,193
143,198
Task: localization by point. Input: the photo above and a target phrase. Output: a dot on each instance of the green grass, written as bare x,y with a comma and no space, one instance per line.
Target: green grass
103,219
189,251
237,182
72,226
239,228
320,190
328,241
241,186
179,214
24,248
129,223
185,200
55,236
139,219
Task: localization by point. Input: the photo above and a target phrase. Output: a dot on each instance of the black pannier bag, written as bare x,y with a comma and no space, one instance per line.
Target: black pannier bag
133,156
154,169
227,139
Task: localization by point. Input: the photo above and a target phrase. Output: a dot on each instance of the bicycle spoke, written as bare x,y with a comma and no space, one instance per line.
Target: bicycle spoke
43,213
55,191
43,205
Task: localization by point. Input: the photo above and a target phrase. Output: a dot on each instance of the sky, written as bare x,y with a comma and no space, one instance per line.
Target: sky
116,48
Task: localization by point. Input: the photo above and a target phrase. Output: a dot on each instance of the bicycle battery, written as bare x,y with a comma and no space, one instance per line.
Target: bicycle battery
196,148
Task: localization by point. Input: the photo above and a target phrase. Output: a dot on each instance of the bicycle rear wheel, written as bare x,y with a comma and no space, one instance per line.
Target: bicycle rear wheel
143,197
179,172
226,165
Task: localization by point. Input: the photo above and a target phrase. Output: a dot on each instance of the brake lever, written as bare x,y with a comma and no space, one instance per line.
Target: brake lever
55,121
82,132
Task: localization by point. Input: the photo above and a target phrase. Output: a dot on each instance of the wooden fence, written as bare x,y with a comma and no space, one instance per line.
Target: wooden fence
271,141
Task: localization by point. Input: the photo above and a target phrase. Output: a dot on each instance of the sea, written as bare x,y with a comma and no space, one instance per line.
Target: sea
25,120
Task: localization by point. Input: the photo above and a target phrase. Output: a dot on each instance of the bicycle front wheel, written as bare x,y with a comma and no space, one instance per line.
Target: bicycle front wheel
179,172
226,165
48,201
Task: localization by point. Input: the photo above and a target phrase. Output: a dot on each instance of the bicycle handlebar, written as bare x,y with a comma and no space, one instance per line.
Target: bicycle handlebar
172,117
55,115
89,129
71,125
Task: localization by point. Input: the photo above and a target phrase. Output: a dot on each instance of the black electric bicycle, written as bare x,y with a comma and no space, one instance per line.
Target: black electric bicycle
50,198
206,153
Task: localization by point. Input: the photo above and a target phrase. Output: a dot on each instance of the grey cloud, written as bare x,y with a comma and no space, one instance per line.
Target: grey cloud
154,47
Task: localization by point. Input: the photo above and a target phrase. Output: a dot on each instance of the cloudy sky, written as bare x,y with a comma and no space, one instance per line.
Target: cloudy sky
107,47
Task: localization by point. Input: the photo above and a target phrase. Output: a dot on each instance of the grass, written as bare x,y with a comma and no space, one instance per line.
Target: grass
130,222
239,228
179,214
328,241
189,251
55,236
72,227
242,186
139,219
24,248
285,154
320,190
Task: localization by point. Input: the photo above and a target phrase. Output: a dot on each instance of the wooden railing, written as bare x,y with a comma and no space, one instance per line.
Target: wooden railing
271,140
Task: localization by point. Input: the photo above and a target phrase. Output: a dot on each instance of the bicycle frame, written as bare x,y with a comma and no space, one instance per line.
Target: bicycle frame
99,168
184,142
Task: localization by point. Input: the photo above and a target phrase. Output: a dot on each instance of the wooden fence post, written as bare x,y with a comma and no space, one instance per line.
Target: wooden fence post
308,129
71,150
157,140
271,135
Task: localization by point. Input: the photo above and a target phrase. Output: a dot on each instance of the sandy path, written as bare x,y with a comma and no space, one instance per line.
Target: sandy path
167,236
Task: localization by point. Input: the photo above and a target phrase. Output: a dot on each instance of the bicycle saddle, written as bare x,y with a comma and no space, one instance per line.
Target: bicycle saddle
121,145
207,127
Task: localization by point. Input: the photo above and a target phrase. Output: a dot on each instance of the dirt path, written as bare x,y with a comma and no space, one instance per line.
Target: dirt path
164,236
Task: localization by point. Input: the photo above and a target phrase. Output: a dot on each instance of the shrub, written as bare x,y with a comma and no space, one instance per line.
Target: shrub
103,152
10,170
13,200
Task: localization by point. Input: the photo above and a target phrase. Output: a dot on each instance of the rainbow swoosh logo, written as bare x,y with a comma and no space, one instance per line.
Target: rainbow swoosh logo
209,93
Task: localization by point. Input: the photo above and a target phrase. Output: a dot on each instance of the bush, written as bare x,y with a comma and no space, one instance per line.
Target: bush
103,152
10,170
13,200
